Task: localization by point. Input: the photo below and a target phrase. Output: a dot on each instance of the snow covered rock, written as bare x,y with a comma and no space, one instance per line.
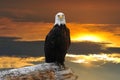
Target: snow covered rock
44,71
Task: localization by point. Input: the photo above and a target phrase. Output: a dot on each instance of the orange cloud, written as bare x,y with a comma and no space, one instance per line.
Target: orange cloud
32,31
16,62
107,32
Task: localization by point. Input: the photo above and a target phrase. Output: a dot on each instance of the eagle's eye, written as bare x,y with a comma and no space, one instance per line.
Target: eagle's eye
58,15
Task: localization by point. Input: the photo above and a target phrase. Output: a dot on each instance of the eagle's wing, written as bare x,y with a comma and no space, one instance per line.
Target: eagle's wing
51,38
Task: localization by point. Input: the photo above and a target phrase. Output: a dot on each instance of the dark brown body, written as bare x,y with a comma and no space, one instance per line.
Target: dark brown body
57,43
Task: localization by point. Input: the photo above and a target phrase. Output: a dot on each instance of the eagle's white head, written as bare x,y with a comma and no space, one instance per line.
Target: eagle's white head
60,18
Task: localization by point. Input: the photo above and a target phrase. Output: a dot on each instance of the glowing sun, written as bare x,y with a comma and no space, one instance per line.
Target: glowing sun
93,38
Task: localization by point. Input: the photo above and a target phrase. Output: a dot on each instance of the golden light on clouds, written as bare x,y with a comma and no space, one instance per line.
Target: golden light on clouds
108,33
94,59
36,31
88,37
17,62
90,60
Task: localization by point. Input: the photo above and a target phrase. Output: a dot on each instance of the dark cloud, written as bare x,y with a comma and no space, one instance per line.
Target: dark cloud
113,28
92,48
10,47
87,48
114,49
117,34
83,11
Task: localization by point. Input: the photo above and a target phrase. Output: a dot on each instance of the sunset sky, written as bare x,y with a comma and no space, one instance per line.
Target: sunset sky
81,11
96,20
94,30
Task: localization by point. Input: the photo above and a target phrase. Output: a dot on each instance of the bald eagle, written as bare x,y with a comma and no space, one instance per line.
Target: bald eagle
57,41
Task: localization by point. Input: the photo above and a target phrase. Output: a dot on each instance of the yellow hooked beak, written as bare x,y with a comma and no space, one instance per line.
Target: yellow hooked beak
60,16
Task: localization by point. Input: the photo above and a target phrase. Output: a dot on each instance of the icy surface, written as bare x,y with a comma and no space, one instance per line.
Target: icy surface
44,71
